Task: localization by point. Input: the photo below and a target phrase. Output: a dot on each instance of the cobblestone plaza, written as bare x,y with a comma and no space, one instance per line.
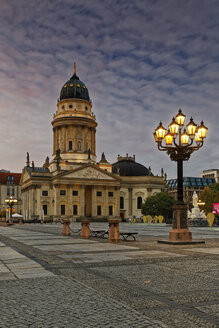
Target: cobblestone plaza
48,280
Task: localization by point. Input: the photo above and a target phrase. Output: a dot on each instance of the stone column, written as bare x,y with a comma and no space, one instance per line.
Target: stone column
105,201
69,200
114,234
54,141
22,202
82,200
56,201
66,227
38,202
66,138
33,200
28,205
94,201
94,143
117,204
85,229
130,201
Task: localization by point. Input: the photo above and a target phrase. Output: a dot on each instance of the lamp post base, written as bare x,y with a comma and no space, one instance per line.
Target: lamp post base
180,235
180,229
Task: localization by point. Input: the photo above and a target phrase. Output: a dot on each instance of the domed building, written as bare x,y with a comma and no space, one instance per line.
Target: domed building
136,183
73,184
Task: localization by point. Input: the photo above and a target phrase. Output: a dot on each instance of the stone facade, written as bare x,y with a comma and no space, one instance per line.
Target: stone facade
73,185
9,186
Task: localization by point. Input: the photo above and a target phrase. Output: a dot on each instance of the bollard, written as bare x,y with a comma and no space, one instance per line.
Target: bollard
85,229
66,227
114,234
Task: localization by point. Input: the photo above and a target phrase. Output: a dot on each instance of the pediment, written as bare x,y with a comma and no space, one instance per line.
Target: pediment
24,177
89,173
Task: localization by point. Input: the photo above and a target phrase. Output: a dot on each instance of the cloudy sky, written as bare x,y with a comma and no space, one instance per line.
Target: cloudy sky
141,60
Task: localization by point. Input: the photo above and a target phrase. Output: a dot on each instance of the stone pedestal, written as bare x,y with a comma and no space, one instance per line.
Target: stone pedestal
180,229
3,224
85,229
114,234
66,227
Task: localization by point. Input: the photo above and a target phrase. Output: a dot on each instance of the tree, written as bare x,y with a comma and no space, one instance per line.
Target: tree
3,214
215,187
159,204
209,196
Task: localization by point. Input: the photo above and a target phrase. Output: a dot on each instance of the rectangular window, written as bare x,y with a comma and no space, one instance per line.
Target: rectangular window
45,209
62,209
62,192
12,192
75,192
110,194
75,209
110,210
70,145
8,191
99,193
122,202
44,192
99,210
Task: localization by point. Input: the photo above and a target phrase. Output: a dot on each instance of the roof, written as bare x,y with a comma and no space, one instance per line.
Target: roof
37,169
5,177
74,88
193,182
126,166
209,170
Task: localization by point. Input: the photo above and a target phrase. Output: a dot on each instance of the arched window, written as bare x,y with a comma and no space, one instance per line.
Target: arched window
122,203
139,202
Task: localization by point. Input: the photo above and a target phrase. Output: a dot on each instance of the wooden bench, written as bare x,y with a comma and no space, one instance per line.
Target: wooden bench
126,235
99,233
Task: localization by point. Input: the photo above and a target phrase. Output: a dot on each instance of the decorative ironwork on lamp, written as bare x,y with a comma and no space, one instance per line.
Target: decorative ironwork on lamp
181,141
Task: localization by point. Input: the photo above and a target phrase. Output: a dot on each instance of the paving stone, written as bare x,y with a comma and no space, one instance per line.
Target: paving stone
130,284
205,250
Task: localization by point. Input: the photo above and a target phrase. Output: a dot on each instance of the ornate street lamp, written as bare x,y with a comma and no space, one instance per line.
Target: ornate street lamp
11,202
180,143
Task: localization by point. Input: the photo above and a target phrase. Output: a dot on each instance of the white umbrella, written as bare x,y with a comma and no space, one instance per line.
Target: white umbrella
16,215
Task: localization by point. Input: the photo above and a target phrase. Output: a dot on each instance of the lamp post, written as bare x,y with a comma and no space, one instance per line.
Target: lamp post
10,202
180,142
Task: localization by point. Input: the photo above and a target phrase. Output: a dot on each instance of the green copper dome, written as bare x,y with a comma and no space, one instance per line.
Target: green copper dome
74,88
